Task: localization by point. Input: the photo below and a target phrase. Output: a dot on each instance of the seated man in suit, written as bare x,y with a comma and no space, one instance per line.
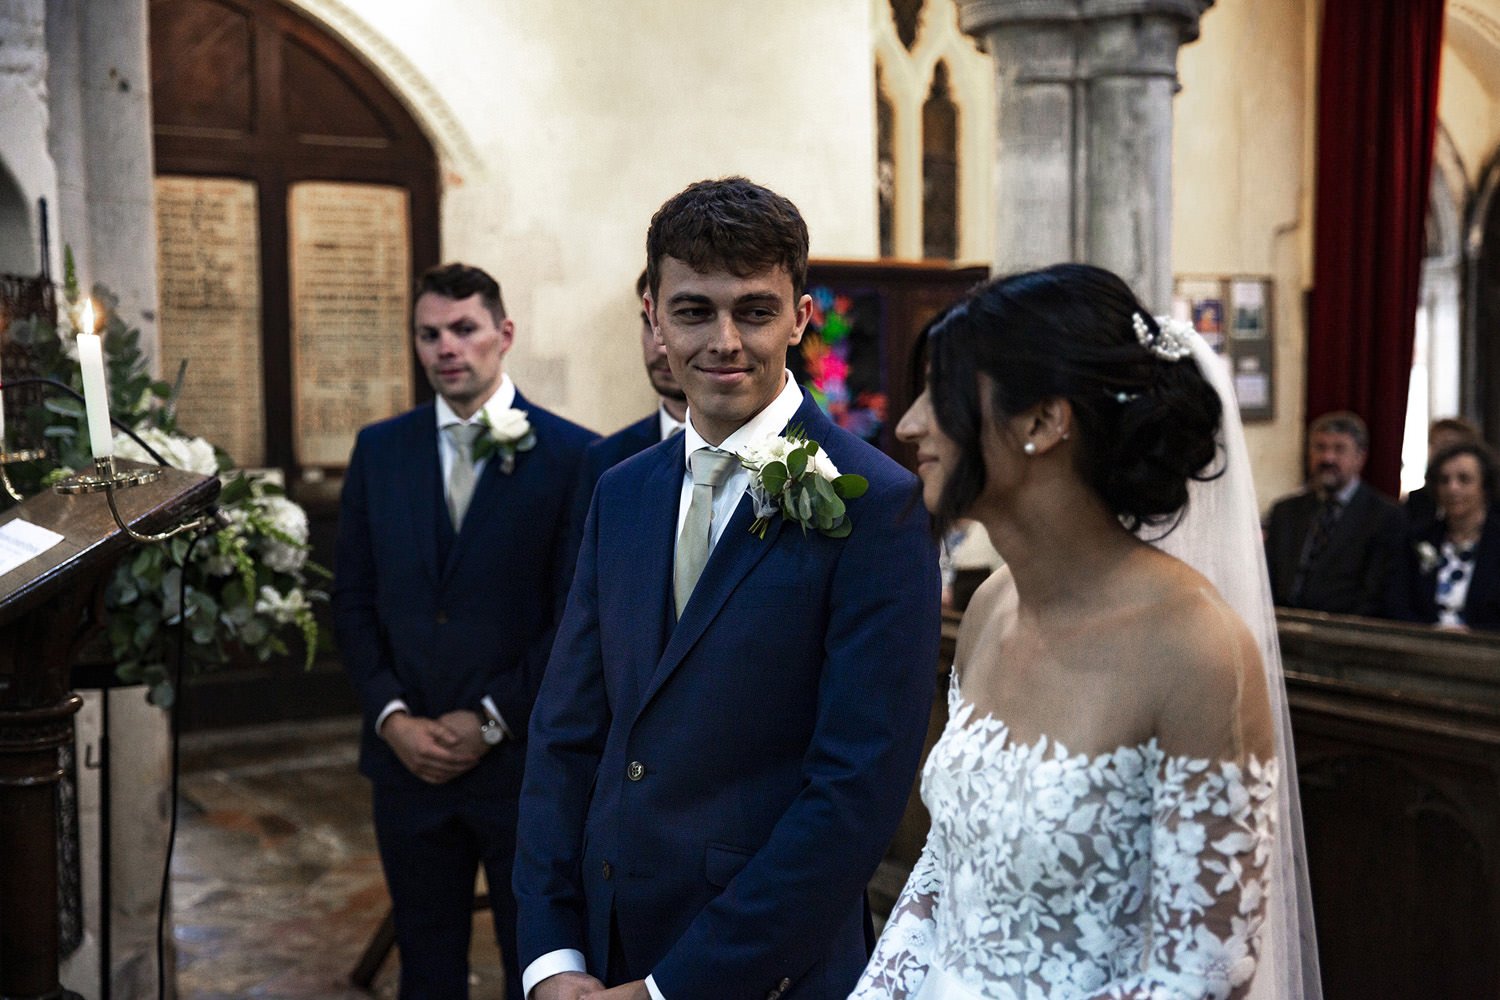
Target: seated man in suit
668,419
1330,547
451,559
732,717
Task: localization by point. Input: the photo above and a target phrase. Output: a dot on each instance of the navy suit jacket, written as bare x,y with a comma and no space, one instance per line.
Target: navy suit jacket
727,784
443,634
1351,575
603,455
1413,591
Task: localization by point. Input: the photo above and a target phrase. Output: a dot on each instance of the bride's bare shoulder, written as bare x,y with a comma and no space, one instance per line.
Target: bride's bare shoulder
993,603
1209,675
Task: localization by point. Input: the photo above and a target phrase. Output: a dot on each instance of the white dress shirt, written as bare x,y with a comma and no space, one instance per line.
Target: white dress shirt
503,398
669,424
769,421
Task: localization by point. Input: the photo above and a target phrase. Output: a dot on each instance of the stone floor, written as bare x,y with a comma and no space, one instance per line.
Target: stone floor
275,880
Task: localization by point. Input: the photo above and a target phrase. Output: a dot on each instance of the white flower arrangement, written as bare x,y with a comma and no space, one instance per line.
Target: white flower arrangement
507,433
246,585
792,475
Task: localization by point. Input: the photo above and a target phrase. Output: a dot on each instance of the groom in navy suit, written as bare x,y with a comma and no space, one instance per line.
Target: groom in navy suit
451,564
729,725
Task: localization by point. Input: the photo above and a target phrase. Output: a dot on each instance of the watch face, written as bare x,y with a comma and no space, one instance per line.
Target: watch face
491,733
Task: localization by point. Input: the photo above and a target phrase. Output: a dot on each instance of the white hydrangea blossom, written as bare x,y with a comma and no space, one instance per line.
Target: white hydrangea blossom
192,454
282,608
291,520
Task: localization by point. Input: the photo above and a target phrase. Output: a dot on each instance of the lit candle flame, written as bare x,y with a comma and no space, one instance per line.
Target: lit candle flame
86,321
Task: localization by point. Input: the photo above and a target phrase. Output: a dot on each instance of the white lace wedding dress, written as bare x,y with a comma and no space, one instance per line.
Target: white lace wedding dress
1053,876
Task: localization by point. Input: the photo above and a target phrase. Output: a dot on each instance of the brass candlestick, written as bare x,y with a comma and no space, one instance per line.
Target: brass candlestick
107,480
15,457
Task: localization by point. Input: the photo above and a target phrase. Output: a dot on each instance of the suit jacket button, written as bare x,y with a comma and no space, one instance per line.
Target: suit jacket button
608,871
442,617
636,771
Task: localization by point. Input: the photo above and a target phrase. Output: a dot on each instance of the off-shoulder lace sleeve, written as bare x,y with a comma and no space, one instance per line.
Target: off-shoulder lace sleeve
903,954
1211,838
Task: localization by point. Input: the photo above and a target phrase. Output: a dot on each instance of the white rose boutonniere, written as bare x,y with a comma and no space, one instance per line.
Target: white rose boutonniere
508,434
793,476
1427,557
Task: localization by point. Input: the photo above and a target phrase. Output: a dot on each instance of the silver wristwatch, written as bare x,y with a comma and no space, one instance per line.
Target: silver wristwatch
490,730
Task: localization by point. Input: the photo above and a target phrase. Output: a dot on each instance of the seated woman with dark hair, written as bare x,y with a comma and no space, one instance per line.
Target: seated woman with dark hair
1450,569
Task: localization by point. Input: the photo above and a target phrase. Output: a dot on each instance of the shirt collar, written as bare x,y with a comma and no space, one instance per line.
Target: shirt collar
669,424
1346,494
502,399
770,420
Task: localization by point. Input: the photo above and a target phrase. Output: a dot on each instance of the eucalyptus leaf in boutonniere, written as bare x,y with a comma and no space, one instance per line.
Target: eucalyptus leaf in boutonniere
793,476
509,433
1427,556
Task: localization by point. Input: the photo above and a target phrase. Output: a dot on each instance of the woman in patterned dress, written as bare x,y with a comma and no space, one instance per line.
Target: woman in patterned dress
1110,799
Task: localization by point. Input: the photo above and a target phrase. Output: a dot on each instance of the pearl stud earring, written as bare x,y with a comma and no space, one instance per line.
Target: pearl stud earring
1029,447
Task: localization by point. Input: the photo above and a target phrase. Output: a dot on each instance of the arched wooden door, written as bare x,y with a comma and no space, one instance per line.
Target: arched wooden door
296,200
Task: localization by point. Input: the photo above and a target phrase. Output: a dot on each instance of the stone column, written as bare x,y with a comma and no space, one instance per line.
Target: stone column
1084,151
100,77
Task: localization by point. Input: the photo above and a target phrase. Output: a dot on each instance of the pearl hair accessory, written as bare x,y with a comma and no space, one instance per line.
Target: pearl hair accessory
1172,340
1029,447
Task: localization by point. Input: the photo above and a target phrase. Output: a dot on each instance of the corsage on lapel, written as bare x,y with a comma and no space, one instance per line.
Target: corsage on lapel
510,433
793,476
1427,557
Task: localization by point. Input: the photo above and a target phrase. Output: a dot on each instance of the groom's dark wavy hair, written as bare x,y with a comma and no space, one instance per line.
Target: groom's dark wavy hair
1144,427
730,224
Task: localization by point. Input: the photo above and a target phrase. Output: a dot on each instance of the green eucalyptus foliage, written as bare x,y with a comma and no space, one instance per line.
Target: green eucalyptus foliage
239,593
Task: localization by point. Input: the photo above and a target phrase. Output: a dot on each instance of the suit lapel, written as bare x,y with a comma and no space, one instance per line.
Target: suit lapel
488,502
423,486
655,528
736,554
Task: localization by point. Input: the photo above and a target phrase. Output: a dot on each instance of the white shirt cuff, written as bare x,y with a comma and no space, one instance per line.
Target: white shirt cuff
656,994
550,964
493,711
394,705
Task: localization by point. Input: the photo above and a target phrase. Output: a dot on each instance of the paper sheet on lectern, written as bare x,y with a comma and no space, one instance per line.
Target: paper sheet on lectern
22,541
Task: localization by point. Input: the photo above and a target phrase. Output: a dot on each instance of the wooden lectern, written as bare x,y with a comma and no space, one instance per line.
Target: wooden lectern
48,606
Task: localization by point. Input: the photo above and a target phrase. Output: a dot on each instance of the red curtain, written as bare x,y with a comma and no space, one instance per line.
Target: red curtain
1377,115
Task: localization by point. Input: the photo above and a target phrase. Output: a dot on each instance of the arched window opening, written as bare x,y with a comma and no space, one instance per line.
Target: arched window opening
940,169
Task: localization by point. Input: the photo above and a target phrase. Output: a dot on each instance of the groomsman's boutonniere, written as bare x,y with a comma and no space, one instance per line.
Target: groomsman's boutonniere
793,476
510,433
1427,557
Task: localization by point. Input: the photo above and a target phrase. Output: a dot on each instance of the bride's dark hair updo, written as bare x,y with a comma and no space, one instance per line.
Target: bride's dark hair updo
1144,426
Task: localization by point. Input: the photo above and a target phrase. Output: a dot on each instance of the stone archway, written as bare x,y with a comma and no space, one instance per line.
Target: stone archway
17,241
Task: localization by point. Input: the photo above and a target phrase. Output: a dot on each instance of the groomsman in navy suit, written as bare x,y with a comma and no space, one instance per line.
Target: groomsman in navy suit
666,420
730,723
449,574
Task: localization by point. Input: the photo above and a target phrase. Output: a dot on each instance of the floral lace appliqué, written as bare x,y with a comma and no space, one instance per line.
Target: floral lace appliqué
1057,876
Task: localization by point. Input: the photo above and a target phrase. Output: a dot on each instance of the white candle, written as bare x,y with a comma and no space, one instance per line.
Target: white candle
95,394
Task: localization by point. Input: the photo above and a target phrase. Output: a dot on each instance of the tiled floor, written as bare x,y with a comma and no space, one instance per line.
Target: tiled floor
276,883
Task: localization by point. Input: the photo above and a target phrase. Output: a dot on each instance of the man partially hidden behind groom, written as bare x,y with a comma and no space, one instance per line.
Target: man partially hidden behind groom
729,724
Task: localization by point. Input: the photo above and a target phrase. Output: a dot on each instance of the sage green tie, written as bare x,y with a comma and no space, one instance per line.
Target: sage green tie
709,468
461,475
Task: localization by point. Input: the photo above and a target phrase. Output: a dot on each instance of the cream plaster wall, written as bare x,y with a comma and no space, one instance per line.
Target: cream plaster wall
1469,99
564,125
1241,158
